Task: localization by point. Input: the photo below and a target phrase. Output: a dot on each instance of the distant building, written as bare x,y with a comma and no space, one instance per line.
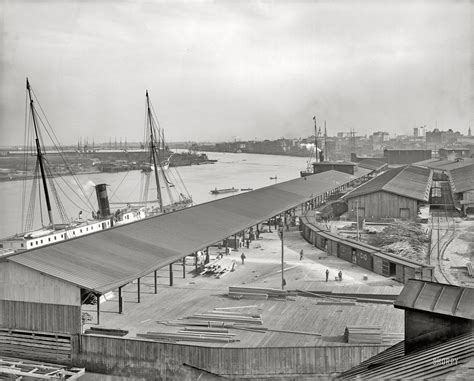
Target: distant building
462,184
406,156
328,166
396,193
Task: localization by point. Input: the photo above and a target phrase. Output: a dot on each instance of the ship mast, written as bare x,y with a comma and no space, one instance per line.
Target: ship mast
315,139
39,155
153,153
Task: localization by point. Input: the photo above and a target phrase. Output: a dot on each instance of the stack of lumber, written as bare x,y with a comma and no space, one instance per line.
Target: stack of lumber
105,331
363,334
36,345
219,268
257,293
206,335
229,317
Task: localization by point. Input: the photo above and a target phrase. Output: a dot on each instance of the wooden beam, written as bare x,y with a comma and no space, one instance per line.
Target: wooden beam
138,289
120,300
98,308
171,274
184,267
156,282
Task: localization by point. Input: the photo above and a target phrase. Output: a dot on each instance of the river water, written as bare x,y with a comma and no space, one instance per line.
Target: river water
238,170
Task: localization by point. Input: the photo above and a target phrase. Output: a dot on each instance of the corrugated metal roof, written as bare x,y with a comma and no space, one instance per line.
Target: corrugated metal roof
444,164
438,298
408,181
430,363
105,260
462,179
372,164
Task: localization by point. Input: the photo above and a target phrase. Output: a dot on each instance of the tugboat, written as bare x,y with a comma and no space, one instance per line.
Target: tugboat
226,190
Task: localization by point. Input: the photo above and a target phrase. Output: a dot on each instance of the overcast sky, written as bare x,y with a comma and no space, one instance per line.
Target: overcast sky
236,69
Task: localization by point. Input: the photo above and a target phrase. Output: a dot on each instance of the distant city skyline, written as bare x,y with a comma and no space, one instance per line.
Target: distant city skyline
224,70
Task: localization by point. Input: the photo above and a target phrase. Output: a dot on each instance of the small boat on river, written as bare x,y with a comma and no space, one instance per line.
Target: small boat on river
226,190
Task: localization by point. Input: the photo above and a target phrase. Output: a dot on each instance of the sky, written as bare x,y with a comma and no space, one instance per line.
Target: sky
236,70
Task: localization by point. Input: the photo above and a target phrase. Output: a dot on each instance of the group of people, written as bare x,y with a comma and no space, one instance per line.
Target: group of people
339,275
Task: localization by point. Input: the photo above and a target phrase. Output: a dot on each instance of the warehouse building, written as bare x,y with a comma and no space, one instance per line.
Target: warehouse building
462,185
397,193
438,336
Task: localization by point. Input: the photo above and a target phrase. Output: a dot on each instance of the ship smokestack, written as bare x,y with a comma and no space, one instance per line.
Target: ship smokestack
102,200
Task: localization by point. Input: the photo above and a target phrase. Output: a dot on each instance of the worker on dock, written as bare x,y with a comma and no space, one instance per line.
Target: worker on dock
340,275
243,258
301,254
327,274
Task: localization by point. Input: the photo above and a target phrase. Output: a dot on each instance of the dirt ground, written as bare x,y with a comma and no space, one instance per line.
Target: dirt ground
459,252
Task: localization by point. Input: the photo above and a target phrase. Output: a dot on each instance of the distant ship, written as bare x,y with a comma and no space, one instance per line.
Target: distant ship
313,155
226,190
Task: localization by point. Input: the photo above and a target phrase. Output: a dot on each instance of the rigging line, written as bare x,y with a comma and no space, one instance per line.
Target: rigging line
58,148
70,188
25,161
182,183
59,203
32,201
118,186
60,207
86,200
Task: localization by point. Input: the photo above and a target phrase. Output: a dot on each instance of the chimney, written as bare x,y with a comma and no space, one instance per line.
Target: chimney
102,200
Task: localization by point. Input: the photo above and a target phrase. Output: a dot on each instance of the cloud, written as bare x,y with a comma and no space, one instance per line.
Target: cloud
220,69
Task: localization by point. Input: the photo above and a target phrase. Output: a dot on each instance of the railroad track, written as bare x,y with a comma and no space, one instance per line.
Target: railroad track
438,249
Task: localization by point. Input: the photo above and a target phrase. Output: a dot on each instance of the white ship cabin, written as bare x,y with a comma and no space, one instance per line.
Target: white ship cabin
43,237
130,215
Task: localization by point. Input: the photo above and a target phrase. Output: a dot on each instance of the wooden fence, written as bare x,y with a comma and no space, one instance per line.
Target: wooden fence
158,360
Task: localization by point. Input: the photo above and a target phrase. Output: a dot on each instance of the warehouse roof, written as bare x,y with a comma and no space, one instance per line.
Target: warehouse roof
434,362
438,298
372,164
444,164
108,259
407,181
462,179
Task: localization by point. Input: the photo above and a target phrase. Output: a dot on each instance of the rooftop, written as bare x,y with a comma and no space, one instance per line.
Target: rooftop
444,164
438,298
462,179
407,181
108,259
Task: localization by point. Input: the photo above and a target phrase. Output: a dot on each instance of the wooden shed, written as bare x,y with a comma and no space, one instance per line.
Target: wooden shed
397,193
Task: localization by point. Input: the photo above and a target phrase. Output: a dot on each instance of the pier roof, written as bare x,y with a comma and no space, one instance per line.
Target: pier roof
462,179
108,259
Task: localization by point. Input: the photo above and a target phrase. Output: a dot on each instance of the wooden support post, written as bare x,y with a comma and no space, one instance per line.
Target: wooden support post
138,289
235,242
171,274
98,308
156,282
196,261
120,300
184,267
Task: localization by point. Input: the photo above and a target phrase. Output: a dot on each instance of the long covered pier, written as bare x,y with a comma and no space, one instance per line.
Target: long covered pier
110,259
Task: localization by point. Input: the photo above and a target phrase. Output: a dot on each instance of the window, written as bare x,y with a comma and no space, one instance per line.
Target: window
22,245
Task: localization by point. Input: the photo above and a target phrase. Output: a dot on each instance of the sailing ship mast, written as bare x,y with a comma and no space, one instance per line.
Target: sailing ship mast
315,139
153,153
39,156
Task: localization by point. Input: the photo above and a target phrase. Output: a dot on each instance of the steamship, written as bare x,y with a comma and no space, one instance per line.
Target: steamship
44,184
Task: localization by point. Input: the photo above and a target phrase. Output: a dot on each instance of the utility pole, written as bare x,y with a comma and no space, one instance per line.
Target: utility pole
357,216
315,140
283,282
